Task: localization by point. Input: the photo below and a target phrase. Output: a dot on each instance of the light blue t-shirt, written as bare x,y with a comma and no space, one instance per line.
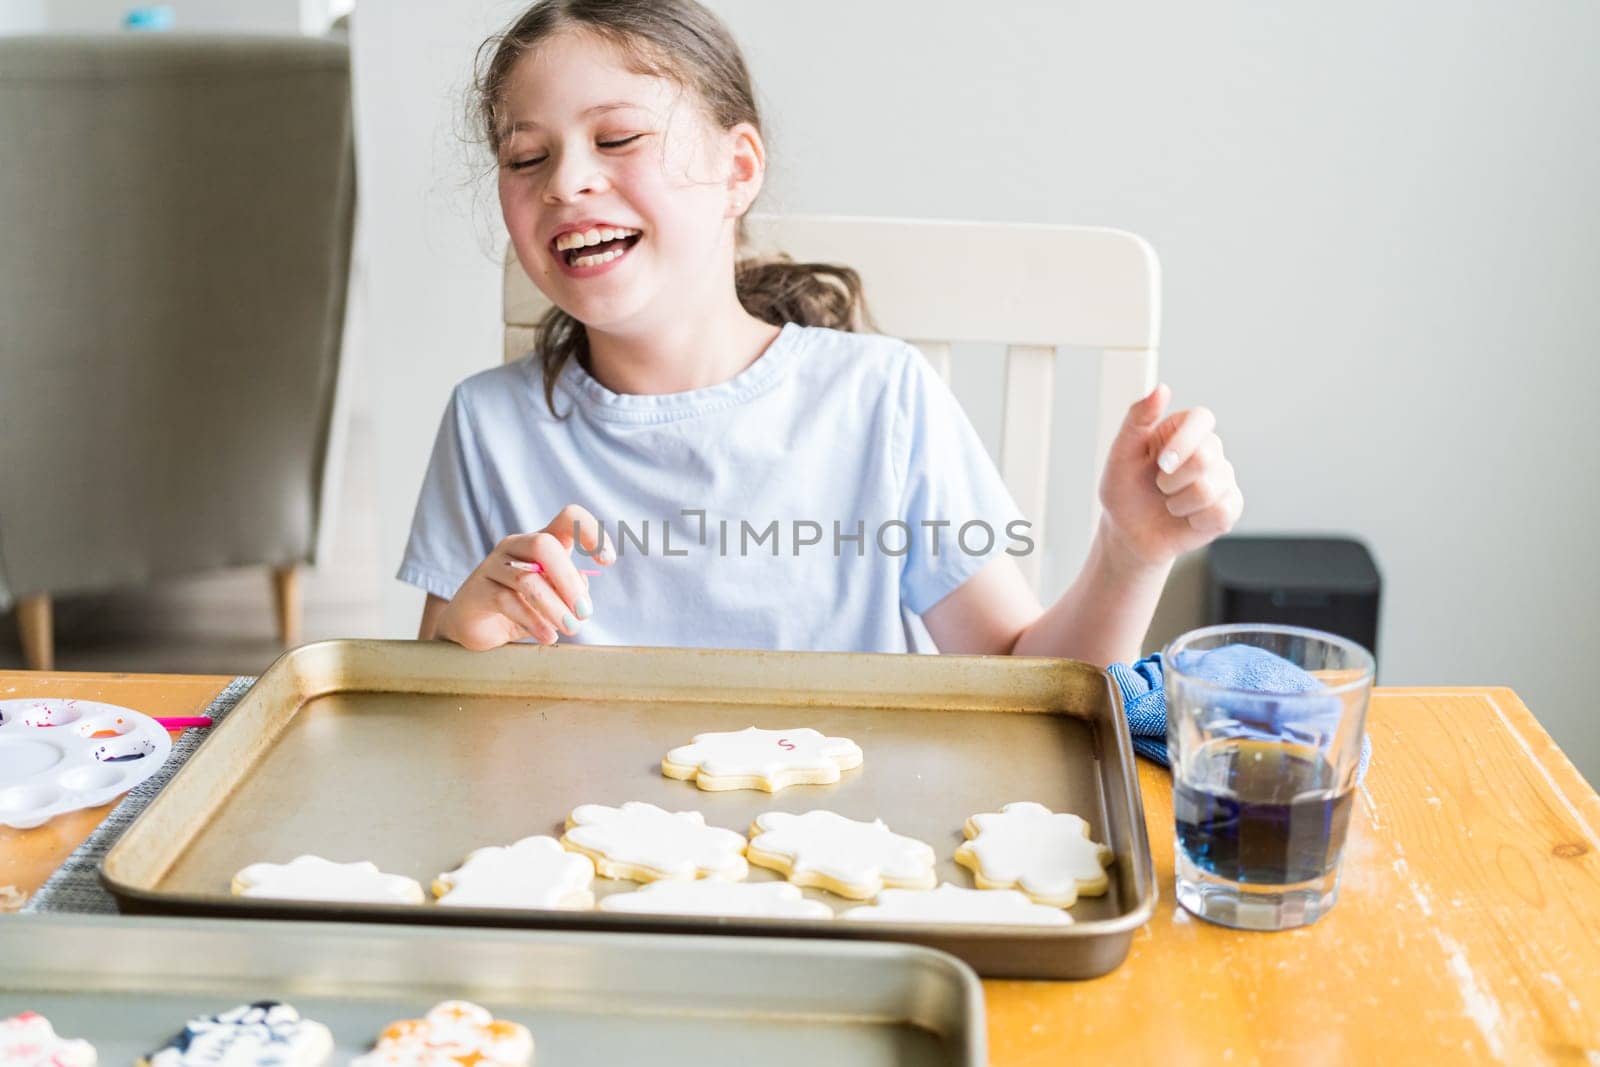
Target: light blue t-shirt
842,487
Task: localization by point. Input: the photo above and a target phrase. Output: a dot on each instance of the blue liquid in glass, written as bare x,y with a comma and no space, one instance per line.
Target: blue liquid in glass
1261,812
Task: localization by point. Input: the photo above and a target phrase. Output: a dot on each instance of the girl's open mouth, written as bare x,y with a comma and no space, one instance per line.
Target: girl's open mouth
586,252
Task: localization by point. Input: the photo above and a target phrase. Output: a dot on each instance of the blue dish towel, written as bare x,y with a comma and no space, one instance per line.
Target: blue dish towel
1144,697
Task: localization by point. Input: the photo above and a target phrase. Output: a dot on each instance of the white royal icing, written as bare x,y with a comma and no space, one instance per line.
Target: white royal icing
264,1034
1048,855
767,900
661,844
952,904
454,1033
535,872
772,759
28,1040
859,858
314,878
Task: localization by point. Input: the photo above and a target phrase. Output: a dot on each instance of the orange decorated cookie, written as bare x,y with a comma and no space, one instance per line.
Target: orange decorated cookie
454,1034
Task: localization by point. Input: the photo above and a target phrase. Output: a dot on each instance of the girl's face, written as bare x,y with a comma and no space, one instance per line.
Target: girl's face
627,164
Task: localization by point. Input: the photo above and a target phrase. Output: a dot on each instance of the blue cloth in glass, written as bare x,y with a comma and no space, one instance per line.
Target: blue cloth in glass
1144,697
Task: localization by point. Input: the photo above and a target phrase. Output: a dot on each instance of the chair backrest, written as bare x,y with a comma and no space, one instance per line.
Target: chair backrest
175,219
1032,288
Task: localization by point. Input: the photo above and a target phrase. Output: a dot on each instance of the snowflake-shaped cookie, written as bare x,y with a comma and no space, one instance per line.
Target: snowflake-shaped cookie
1045,854
535,872
762,759
850,858
952,904
314,878
28,1040
263,1034
642,842
764,900
455,1033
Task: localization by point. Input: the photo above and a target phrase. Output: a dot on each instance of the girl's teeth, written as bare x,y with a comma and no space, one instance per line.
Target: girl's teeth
596,260
568,241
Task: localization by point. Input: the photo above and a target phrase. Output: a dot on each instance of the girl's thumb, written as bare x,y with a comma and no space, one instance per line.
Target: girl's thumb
1147,411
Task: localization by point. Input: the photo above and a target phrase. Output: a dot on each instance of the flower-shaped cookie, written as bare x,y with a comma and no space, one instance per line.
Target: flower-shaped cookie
764,900
28,1040
762,759
1045,854
314,878
642,842
263,1034
952,904
850,858
454,1033
536,872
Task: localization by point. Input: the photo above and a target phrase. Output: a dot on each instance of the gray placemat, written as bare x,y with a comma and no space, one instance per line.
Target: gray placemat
76,886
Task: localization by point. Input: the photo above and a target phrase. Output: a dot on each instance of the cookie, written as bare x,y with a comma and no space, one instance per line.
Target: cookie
762,759
535,872
28,1040
952,904
763,900
642,842
1045,854
263,1034
850,858
455,1033
314,878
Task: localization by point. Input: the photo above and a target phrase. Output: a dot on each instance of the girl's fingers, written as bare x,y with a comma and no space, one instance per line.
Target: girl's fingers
546,599
1179,435
1205,491
1132,440
521,614
1207,457
1220,517
575,527
561,575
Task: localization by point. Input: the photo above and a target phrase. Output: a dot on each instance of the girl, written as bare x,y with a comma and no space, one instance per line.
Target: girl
774,480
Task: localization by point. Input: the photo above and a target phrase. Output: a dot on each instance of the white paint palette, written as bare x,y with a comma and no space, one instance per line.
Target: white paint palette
62,755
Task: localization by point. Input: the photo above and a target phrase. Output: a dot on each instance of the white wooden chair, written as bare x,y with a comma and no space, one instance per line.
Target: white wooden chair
1032,288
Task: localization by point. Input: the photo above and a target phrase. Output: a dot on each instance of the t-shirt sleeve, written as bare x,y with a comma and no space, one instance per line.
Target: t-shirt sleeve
449,534
959,512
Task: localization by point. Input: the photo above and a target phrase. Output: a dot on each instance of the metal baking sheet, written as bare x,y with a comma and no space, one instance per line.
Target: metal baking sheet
128,984
412,754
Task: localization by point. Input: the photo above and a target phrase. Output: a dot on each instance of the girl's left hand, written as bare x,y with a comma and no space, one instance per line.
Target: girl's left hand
1167,489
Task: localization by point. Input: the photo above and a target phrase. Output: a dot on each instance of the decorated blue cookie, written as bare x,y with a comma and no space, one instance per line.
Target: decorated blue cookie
263,1034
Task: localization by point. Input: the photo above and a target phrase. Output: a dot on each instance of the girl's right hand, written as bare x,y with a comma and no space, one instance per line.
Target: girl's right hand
504,601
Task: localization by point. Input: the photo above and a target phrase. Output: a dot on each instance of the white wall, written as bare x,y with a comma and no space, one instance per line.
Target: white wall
428,248
1376,223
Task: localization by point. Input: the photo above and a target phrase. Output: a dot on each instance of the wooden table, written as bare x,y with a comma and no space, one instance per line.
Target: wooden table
1468,926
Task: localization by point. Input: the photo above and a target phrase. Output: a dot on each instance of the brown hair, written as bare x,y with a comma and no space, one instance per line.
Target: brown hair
682,41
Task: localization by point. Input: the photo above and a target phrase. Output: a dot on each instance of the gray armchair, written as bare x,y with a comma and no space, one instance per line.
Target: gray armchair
175,221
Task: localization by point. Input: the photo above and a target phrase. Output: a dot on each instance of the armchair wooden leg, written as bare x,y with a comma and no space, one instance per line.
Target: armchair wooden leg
38,638
287,603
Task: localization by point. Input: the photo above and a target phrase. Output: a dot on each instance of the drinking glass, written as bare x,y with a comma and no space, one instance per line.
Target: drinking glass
1263,776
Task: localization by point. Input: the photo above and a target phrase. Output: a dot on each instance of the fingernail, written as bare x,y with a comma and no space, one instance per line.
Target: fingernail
1168,461
569,622
583,607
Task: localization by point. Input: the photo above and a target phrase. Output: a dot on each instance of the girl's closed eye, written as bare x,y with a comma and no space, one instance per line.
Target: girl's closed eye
534,161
